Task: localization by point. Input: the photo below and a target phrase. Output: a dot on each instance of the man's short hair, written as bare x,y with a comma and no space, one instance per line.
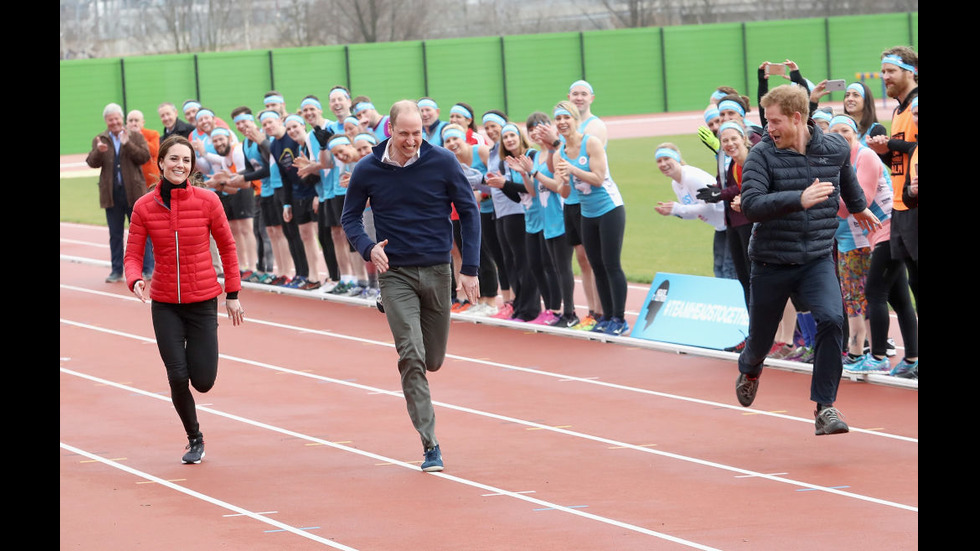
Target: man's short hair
400,107
113,108
790,99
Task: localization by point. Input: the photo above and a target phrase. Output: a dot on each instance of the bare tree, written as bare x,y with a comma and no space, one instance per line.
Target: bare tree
197,25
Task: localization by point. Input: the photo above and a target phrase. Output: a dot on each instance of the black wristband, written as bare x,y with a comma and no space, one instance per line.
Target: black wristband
556,143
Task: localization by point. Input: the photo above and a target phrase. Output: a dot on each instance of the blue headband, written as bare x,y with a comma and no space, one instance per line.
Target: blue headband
561,111
731,124
427,103
730,105
341,90
204,113
352,120
219,131
667,152
363,106
822,115
455,133
295,118
268,114
188,104
717,95
366,138
460,110
339,140
583,84
897,61
243,117
711,114
311,101
856,86
273,99
494,118
510,127
841,119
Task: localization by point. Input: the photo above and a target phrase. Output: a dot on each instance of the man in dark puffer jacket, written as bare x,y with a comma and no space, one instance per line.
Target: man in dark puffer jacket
792,183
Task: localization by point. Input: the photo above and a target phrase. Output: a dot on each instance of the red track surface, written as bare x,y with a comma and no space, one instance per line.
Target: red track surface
550,442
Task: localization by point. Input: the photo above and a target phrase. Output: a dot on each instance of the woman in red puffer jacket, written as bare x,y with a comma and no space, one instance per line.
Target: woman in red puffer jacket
180,218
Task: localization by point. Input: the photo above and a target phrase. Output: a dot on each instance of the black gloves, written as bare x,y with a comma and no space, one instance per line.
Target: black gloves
710,194
323,135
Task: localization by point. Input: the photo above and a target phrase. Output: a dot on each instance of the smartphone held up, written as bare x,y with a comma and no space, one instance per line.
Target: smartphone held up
776,69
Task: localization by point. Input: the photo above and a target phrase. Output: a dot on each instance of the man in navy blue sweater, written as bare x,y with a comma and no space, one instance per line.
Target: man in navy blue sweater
412,187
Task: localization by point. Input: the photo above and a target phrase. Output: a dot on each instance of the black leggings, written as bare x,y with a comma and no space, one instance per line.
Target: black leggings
488,223
738,244
603,240
543,270
510,233
888,284
187,337
561,256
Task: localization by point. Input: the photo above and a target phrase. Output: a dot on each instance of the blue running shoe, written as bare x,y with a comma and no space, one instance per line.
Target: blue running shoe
906,369
618,327
433,460
869,365
600,326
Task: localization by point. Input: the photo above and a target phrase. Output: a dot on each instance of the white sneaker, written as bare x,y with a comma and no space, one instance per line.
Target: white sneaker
481,310
327,286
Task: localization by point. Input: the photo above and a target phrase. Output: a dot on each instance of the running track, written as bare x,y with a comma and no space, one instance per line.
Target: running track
550,442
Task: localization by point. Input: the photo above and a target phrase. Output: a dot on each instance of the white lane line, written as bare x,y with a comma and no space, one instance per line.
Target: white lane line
377,457
539,426
559,376
204,497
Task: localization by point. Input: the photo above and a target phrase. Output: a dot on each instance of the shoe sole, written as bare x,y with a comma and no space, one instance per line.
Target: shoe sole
839,428
193,462
433,469
745,401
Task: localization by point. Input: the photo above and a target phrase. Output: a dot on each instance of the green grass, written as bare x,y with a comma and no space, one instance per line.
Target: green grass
653,243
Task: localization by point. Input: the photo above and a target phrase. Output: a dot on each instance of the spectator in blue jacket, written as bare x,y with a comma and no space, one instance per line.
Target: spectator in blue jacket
412,186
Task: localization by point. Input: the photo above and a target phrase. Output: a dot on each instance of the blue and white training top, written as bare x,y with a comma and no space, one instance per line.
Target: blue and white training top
595,200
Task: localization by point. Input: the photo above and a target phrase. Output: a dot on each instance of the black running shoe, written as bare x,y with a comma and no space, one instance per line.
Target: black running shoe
738,347
195,451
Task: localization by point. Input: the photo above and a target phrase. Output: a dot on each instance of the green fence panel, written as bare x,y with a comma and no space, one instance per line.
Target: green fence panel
467,70
87,86
699,59
299,72
153,80
232,79
387,72
633,71
857,43
538,71
629,65
802,41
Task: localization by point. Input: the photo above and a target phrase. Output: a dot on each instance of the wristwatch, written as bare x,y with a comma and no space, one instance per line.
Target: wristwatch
556,143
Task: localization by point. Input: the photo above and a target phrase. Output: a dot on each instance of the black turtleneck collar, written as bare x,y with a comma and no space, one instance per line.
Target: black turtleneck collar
166,186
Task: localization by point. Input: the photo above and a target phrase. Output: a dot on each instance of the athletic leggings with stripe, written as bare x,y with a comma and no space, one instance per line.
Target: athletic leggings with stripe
602,238
187,337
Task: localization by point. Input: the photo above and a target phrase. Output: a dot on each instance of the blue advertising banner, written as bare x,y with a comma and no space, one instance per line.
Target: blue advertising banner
708,312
